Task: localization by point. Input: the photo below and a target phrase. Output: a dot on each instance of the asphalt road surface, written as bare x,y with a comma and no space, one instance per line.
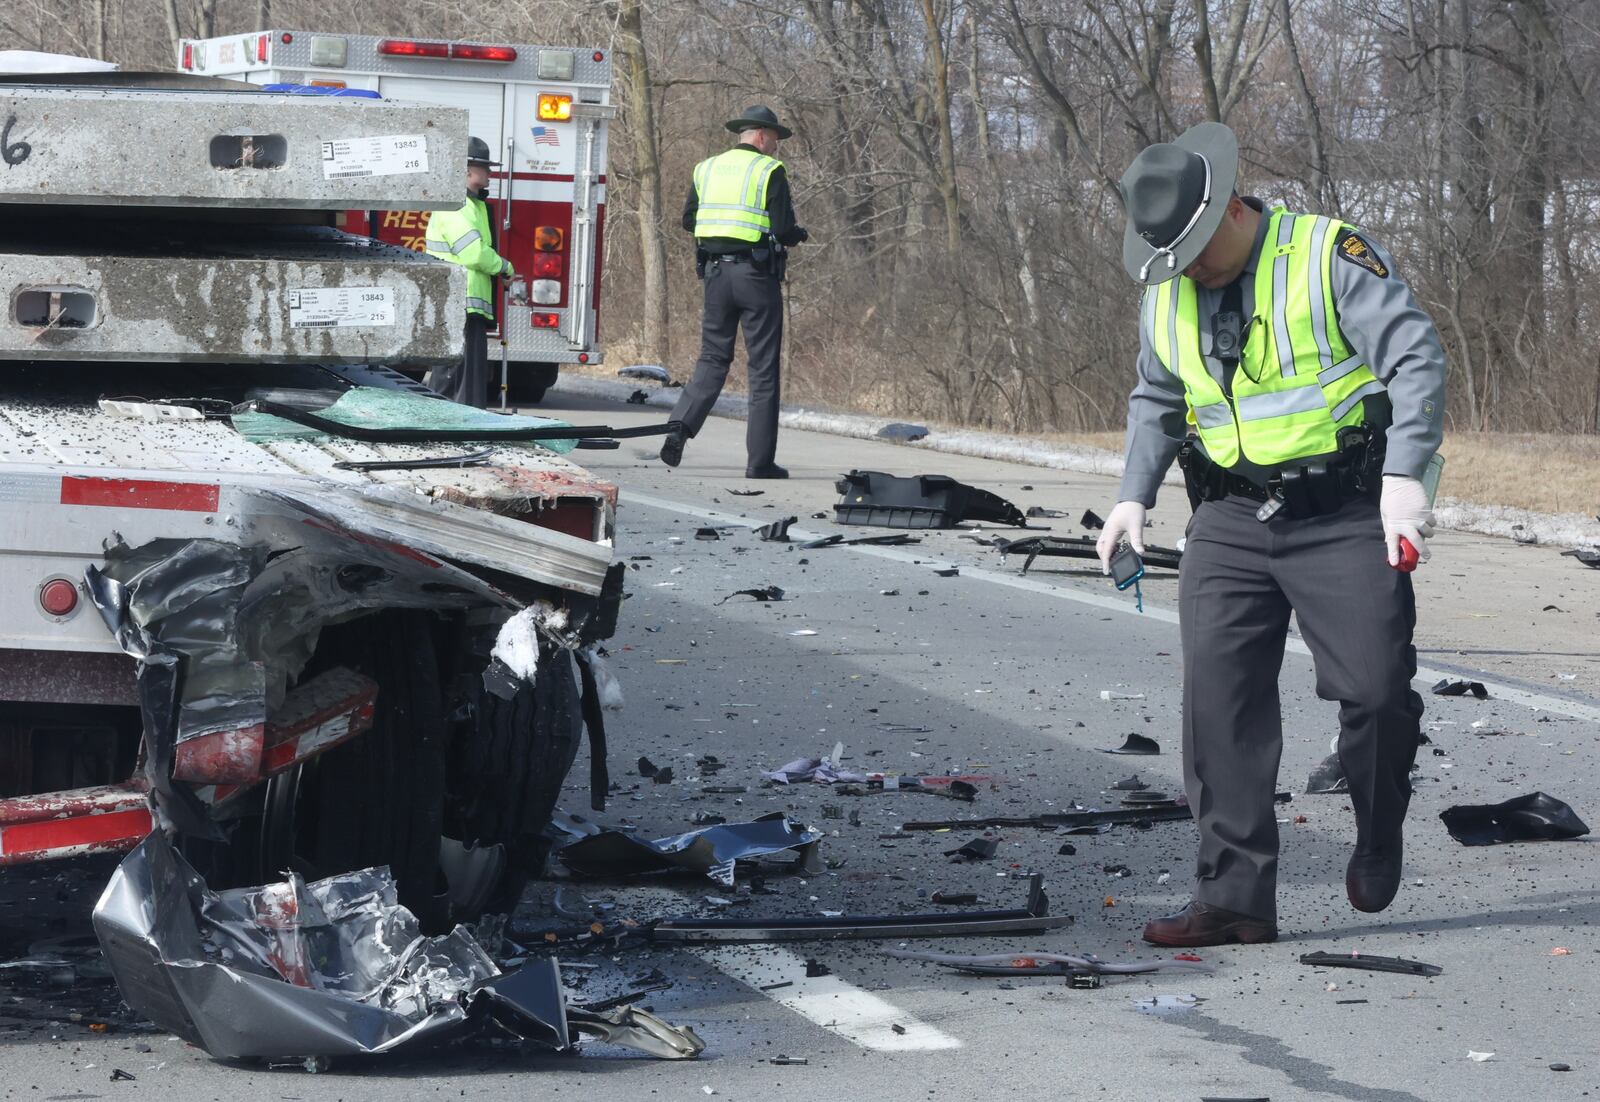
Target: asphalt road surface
1006,674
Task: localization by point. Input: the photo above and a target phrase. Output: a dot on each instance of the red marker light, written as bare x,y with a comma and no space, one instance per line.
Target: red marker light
58,597
409,47
583,357
287,38
462,51
598,56
546,321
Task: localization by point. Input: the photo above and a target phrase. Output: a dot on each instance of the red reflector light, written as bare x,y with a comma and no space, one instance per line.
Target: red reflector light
287,38
188,56
58,597
464,52
261,48
410,47
546,321
583,357
546,265
598,56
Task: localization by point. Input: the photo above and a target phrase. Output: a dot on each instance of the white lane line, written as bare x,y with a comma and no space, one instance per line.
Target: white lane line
1426,675
856,1015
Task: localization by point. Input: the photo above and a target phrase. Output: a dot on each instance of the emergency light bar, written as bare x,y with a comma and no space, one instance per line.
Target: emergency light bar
459,51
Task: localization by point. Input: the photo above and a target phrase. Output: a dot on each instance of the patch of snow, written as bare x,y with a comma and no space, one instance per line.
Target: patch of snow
1560,529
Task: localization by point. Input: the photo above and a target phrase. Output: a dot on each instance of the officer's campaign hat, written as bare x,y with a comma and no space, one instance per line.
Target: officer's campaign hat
759,117
1176,194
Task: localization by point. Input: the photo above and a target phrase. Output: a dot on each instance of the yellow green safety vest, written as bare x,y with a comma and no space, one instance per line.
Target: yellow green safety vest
731,195
1298,382
462,237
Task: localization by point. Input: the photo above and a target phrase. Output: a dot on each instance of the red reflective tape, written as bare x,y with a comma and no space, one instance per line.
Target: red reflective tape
139,493
85,830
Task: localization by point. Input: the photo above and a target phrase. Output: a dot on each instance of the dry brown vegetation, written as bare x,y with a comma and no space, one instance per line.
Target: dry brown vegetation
955,161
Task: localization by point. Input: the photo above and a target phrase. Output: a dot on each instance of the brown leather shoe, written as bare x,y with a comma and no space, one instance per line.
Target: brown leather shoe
1202,924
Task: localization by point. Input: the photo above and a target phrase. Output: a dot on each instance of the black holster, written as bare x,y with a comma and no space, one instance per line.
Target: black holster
1201,477
700,259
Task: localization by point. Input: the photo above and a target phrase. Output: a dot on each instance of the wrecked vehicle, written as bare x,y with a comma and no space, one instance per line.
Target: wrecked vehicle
232,611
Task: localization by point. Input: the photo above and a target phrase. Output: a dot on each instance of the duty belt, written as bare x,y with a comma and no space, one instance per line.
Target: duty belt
730,258
1300,490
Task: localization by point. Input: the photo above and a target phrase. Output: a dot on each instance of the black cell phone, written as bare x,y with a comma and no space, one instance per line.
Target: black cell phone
1126,566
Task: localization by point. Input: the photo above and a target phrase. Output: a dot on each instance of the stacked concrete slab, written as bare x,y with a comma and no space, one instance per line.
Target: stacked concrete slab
160,225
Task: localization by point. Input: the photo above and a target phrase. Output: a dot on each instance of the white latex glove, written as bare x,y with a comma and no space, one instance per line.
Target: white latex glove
1126,519
1405,510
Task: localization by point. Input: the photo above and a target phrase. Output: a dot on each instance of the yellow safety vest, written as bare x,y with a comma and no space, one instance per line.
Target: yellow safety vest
462,237
1298,382
731,195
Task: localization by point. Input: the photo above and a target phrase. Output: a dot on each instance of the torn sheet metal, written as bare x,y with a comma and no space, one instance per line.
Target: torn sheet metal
220,629
1535,817
332,968
1033,918
713,851
1072,821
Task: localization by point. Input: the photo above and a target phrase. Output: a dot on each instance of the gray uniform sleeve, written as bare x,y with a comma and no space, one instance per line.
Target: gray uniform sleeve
1156,426
1380,318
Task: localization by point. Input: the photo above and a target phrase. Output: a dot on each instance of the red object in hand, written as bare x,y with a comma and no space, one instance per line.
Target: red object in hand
1408,557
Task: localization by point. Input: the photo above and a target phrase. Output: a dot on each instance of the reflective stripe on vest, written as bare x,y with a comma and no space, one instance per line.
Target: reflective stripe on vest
449,234
1298,381
731,195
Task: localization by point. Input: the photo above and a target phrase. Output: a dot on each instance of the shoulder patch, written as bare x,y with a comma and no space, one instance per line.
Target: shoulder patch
1359,253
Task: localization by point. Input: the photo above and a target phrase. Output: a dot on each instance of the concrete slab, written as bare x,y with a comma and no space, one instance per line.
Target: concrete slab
230,149
302,295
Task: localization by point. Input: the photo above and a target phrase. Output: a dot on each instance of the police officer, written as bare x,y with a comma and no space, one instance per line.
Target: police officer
1313,387
466,237
742,219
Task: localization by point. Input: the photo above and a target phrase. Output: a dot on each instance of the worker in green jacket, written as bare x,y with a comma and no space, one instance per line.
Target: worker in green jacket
466,237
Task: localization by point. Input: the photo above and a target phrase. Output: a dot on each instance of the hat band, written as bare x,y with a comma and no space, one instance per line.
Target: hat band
1167,249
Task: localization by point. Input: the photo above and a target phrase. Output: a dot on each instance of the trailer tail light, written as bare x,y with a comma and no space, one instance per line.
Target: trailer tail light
463,51
546,321
58,597
548,239
555,108
188,55
261,49
410,47
546,265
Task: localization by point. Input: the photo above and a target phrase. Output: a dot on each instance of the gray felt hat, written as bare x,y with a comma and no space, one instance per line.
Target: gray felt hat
1175,195
759,118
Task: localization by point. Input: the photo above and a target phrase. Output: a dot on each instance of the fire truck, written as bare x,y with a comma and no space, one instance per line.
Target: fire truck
542,109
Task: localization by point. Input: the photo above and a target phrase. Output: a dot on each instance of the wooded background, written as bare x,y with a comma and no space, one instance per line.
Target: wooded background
956,162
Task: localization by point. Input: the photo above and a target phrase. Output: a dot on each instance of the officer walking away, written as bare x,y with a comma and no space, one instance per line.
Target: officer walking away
1313,386
742,219
466,237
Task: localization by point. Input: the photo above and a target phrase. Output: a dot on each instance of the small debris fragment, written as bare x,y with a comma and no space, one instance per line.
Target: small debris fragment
1107,694
1560,1067
120,1076
790,1061
815,968
898,1028
1446,687
1480,1057
777,531
707,534
979,849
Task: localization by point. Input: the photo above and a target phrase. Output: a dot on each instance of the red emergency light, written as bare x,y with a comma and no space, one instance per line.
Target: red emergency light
410,47
546,265
188,55
261,48
463,51
546,321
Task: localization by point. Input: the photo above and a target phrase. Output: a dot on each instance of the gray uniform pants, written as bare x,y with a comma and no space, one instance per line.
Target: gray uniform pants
1239,581
468,381
737,293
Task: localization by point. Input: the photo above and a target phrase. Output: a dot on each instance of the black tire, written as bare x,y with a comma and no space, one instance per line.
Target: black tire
527,383
512,759
377,799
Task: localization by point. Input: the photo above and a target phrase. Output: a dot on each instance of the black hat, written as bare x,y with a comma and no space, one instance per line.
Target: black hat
1175,195
478,153
759,117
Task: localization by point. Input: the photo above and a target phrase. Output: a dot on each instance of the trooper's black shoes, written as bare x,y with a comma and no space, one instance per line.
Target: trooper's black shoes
771,470
1373,876
672,448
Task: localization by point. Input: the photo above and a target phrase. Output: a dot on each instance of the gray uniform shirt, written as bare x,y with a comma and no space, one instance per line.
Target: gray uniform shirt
1382,323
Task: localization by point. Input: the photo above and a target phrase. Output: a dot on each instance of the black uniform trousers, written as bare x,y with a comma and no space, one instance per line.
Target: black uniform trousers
738,292
1239,581
468,381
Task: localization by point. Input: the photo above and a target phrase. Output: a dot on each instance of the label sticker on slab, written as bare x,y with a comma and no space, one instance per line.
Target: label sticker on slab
340,307
394,155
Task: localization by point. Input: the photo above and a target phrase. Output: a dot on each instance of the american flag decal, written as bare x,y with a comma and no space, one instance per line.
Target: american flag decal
546,135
